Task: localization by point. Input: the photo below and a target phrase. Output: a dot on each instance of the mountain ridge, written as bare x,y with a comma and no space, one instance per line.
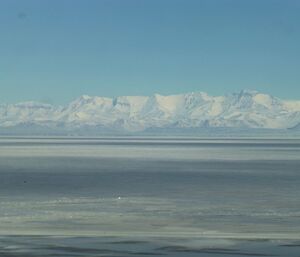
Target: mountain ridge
245,109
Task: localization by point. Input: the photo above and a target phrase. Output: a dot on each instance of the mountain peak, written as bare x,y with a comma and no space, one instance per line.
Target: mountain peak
85,97
248,108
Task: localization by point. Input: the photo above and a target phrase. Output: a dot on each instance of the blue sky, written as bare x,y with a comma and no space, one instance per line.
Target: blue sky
56,50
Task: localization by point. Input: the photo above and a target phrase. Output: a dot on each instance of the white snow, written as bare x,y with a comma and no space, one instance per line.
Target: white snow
246,109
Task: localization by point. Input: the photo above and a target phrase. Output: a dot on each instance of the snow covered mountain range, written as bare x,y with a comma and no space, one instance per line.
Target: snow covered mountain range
247,109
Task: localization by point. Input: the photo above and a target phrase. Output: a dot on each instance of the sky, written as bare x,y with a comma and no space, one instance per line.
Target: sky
56,50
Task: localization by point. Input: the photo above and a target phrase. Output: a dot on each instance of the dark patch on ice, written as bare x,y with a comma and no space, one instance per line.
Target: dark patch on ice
226,251
128,242
290,245
74,249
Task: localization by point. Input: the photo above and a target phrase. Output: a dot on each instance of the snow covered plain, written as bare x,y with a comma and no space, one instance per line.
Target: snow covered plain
142,196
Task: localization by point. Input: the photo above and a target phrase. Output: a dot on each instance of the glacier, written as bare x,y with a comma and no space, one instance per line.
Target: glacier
245,109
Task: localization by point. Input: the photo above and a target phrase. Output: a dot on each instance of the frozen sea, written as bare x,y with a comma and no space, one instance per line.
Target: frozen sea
141,196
